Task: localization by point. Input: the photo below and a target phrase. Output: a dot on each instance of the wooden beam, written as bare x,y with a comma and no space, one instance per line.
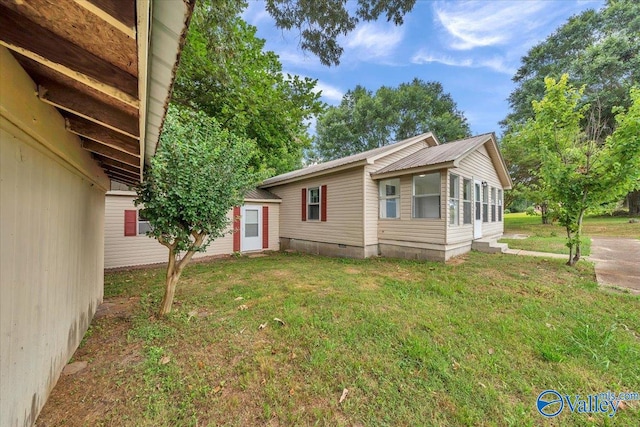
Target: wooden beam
78,103
107,162
117,13
103,135
39,44
112,153
126,175
127,181
123,11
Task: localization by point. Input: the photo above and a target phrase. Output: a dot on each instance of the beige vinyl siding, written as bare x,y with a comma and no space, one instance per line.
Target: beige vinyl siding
51,223
408,229
124,251
476,166
372,206
461,232
344,223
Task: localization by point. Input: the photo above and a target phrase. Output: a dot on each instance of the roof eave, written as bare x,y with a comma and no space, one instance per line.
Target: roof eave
167,30
268,184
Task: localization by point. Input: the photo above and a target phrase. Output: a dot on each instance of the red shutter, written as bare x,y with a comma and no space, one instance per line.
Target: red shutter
236,229
304,204
323,203
130,223
265,227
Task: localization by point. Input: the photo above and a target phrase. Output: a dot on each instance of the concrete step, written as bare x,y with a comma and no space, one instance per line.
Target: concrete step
489,245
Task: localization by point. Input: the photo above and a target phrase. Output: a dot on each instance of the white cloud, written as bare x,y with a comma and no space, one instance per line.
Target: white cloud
495,63
374,40
330,92
482,23
255,13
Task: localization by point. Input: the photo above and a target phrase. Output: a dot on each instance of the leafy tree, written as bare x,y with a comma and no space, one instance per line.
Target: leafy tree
225,72
581,169
321,22
197,175
598,50
365,120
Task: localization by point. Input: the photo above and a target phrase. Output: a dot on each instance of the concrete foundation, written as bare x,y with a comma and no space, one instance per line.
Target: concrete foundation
322,248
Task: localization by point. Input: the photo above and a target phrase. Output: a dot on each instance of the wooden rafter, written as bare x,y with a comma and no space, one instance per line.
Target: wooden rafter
116,13
108,137
112,153
122,174
74,101
22,35
108,163
122,180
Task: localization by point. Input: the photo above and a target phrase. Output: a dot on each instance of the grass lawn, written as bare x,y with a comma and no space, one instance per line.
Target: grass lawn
415,343
551,238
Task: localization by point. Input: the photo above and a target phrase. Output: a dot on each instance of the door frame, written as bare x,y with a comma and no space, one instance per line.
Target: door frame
477,211
250,243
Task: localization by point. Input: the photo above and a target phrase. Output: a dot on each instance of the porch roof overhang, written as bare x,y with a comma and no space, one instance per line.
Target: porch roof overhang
107,66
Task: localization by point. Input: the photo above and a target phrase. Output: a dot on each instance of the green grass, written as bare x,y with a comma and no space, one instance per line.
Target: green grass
415,343
551,237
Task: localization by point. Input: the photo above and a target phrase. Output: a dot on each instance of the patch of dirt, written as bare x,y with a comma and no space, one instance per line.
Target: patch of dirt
352,270
457,260
116,307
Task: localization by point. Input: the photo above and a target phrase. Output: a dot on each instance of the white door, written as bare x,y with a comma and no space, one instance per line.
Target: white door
477,198
251,228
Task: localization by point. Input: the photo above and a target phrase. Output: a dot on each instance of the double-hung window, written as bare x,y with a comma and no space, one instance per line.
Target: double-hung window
454,199
493,204
467,195
499,205
143,223
390,198
485,203
313,204
426,195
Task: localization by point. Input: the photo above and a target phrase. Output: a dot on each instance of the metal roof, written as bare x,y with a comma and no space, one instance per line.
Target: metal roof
444,153
260,194
365,156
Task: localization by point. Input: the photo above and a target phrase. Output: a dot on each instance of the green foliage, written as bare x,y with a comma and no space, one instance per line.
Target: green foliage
198,173
225,73
578,171
598,49
321,23
365,120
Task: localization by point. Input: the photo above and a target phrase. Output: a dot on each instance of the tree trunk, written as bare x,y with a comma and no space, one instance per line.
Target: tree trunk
578,254
169,292
570,262
634,203
544,210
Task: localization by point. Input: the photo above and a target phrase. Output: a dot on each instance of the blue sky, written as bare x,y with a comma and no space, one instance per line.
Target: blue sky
472,47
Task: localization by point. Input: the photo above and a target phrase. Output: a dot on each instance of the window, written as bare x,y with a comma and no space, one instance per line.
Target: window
143,223
493,204
485,202
499,205
390,198
426,195
478,198
454,200
466,204
251,226
313,207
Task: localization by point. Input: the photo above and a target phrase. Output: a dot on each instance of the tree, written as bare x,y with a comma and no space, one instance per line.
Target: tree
581,169
598,50
321,22
225,72
365,120
197,175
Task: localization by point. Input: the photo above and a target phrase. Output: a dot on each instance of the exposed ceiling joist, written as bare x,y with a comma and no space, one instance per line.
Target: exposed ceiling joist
108,137
112,153
126,181
114,164
116,13
39,44
74,101
125,175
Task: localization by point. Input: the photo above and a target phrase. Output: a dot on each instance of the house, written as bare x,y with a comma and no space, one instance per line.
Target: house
84,87
255,227
413,199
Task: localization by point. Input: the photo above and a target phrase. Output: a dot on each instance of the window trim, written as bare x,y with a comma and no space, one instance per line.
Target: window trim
318,203
492,202
500,214
413,196
383,198
485,203
453,176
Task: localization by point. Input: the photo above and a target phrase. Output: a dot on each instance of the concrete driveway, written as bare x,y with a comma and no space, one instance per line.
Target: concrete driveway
617,262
